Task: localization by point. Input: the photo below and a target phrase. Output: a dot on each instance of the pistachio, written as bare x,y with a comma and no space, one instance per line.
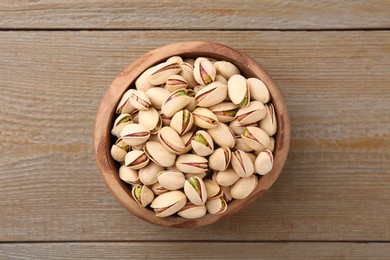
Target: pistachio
163,71
142,83
252,157
243,187
148,174
222,135
124,105
199,175
171,140
204,118
187,72
169,203
175,82
177,59
238,90
258,90
120,123
158,189
182,121
129,175
139,100
166,120
239,129
195,190
189,61
253,113
269,123
191,211
227,177
135,134
171,179
211,95
202,144
226,193
271,144
216,206
198,88
242,164
136,159
191,163
158,154
220,159
240,144
255,138
264,162
187,138
176,101
226,69
204,71
119,150
212,188
150,119
142,195
225,111
157,96
221,79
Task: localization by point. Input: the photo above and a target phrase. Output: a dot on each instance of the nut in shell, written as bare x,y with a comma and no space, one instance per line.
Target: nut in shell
226,69
243,187
136,159
255,138
253,113
135,134
176,101
150,119
227,178
182,121
216,206
168,203
187,72
191,211
175,82
157,96
204,71
171,179
211,95
195,190
220,159
171,140
238,90
120,123
204,118
222,135
148,174
163,71
225,111
129,175
142,195
191,163
264,162
242,164
139,99
269,123
124,105
202,144
119,150
158,154
258,90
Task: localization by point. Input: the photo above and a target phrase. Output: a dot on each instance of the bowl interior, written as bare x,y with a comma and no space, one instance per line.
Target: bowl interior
106,113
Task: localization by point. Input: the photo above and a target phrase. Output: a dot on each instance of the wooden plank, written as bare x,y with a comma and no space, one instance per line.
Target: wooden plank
195,250
250,14
334,186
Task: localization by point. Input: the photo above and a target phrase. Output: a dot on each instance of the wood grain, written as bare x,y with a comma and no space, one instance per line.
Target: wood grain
334,186
189,250
250,14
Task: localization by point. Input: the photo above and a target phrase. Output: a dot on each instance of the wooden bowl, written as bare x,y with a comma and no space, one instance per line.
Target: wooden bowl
105,118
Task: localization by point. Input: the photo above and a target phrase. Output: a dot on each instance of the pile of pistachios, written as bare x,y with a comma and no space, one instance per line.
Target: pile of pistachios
192,135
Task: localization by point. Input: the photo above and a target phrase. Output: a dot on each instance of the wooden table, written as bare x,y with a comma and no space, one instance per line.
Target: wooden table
331,60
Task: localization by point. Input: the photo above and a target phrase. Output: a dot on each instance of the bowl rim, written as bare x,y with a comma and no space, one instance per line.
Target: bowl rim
106,112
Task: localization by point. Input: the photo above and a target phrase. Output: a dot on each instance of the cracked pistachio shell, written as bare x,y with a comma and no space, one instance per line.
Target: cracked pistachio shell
258,90
120,122
139,100
255,138
212,188
221,79
211,95
136,159
187,72
135,134
225,111
226,193
220,159
198,88
238,90
171,179
158,189
175,82
222,135
253,113
191,211
142,195
158,154
271,144
264,162
119,150
195,190
157,96
176,101
142,82
166,120
269,123
182,121
150,119
252,157
243,187
171,140
240,144
227,177
187,138
202,143
177,59
226,69
169,203
191,163
129,175
204,71
216,206
192,105
204,118
134,116
242,164
238,129
148,174
163,71
124,105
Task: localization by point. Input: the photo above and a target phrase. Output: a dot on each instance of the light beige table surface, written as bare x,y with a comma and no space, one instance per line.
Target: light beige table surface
331,60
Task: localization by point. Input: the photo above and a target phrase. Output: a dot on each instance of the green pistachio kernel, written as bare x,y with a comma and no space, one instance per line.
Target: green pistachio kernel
243,102
194,183
201,139
137,192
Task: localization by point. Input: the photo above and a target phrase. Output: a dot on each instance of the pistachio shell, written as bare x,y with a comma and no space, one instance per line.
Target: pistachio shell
269,123
252,157
191,163
136,159
264,162
175,82
242,164
226,193
142,83
129,175
177,59
271,144
166,120
157,96
150,119
204,118
253,113
216,205
124,105
238,129
255,138
139,99
204,71
202,144
187,72
176,101
190,61
225,111
244,187
240,144
226,69
171,179
182,121
212,188
258,90
148,174
199,175
158,189
119,150
195,190
187,138
220,159
171,140
238,90
222,135
227,177
169,203
120,122
198,88
221,79
212,94
142,195
158,154
191,211
163,71
135,134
